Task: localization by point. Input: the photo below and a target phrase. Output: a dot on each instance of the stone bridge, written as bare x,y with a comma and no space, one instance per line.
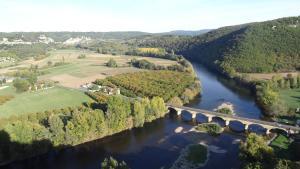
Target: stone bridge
228,118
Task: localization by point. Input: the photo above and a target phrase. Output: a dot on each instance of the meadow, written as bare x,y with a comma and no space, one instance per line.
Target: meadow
80,71
42,100
291,97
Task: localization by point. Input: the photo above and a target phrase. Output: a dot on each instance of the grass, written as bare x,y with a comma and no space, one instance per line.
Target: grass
197,154
291,97
281,146
28,102
281,141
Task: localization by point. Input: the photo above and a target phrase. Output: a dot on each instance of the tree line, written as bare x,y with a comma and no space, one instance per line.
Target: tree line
35,133
268,94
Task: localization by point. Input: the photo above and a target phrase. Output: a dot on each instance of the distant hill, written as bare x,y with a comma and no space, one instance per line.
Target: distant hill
269,46
63,36
186,33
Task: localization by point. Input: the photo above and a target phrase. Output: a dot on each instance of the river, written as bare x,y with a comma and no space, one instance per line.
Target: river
158,144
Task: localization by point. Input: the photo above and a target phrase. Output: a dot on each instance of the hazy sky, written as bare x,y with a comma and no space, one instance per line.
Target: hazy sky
137,15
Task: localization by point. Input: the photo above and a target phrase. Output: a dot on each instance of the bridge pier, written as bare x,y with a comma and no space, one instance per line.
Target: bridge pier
178,112
268,131
194,115
227,122
246,127
209,118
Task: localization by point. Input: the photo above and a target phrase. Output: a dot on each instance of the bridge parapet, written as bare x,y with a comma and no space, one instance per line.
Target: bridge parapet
246,121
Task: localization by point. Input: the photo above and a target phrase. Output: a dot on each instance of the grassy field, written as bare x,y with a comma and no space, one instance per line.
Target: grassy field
28,102
93,66
281,141
281,146
268,76
69,76
291,97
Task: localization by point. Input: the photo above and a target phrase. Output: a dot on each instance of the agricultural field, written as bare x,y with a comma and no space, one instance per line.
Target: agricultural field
152,50
76,72
41,100
291,97
71,72
268,76
166,84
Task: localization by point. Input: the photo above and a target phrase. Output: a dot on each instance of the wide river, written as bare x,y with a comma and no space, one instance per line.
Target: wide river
158,144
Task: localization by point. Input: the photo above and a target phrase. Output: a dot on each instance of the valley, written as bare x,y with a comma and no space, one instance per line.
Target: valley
72,99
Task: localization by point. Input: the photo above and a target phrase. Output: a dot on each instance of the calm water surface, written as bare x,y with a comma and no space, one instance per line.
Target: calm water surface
157,144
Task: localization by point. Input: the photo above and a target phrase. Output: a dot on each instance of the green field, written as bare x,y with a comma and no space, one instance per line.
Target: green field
281,141
281,146
28,102
291,97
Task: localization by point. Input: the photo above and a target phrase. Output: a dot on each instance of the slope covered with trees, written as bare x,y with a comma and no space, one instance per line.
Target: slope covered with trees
271,46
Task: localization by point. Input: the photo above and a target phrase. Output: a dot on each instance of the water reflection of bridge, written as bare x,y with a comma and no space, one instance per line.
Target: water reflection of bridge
228,118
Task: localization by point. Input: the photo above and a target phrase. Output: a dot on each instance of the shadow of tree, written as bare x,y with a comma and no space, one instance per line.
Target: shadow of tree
11,151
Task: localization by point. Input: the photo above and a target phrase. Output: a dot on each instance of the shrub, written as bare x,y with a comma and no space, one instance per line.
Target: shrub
111,63
210,128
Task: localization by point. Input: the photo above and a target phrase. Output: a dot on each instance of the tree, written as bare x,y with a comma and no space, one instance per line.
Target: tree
20,131
111,63
56,126
255,150
138,114
175,101
118,112
111,163
298,81
158,107
49,63
282,164
21,85
71,136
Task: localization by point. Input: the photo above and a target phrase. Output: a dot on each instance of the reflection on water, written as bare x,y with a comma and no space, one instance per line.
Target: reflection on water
157,144
216,90
154,146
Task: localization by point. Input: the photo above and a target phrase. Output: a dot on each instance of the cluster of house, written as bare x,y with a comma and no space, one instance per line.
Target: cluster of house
90,87
6,79
41,86
44,39
77,40
41,39
7,59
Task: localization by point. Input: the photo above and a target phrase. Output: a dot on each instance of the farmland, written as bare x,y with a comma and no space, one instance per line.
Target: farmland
69,75
80,71
42,100
291,97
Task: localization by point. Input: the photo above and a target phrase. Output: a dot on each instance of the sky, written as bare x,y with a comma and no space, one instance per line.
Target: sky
137,15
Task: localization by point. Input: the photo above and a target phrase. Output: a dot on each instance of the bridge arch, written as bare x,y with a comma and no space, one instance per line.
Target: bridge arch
280,131
221,121
201,118
237,126
172,110
257,128
186,115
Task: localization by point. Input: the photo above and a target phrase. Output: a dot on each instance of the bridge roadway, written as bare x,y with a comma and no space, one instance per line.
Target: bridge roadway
246,121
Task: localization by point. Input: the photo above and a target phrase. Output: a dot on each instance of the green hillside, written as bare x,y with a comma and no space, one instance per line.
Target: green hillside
271,46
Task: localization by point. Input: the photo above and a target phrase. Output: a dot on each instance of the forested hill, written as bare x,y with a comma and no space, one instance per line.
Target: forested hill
63,36
271,46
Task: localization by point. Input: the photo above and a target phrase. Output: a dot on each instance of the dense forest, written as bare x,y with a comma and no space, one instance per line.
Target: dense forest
270,46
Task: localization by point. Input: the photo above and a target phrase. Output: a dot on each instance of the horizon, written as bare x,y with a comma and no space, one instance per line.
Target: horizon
141,16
